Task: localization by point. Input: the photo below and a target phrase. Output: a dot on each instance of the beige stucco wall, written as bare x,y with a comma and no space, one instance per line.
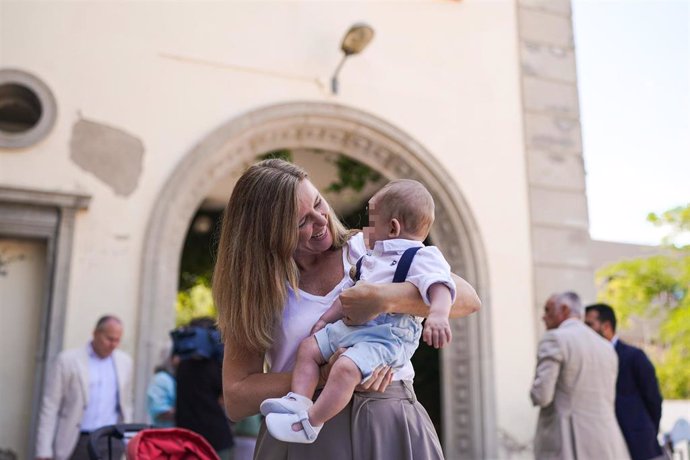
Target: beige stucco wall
444,72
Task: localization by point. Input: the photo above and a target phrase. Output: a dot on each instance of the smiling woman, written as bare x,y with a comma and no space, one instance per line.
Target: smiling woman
314,236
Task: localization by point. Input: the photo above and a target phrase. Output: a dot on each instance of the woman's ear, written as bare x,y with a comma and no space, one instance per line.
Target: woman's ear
394,228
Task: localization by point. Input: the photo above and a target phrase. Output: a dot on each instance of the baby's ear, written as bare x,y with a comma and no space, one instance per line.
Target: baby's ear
394,228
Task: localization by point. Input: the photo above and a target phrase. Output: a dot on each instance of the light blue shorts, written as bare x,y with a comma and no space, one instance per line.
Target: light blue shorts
371,346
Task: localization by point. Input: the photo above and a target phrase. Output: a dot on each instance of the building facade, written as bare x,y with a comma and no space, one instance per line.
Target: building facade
128,116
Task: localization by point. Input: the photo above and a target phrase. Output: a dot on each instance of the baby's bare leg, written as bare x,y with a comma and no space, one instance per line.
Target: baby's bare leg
305,376
342,380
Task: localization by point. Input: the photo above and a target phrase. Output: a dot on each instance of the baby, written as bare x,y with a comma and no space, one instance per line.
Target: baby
400,216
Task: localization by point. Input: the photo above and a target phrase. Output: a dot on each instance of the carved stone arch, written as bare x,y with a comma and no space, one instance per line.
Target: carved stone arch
468,412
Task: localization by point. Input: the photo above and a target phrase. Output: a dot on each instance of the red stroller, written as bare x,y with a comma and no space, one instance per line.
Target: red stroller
144,443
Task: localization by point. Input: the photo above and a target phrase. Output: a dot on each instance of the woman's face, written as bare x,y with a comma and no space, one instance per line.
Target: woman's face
312,218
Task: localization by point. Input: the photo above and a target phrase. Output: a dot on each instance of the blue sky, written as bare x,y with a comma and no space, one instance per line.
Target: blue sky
633,59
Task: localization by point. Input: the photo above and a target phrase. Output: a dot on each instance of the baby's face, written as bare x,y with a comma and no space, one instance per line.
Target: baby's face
378,229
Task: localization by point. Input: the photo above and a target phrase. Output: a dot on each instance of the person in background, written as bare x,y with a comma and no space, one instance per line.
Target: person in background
162,392
574,387
200,398
86,388
638,399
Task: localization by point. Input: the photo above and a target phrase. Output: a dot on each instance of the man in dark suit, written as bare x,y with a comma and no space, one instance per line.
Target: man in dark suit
638,400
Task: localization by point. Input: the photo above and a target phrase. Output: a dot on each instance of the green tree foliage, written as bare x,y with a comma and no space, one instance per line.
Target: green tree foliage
678,221
194,302
194,299
658,286
352,174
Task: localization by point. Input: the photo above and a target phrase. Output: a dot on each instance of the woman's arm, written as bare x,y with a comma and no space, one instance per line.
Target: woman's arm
466,299
245,385
365,301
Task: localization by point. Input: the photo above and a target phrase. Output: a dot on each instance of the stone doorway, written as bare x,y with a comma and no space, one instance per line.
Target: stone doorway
466,381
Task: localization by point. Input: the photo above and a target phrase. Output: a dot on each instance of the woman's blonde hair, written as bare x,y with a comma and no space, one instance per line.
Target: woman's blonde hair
255,253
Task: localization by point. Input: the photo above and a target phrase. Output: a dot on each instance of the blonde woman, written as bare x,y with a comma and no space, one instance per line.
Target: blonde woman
283,258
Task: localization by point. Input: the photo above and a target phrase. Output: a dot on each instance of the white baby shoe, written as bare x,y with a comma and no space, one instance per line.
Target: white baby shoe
291,403
280,427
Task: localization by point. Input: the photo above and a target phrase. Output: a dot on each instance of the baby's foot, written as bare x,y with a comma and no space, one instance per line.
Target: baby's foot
282,427
291,403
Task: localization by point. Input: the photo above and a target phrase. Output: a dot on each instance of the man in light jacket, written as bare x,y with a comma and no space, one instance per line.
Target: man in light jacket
575,388
86,388
638,399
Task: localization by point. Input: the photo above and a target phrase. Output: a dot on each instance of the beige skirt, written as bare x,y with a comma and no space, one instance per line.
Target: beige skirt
373,426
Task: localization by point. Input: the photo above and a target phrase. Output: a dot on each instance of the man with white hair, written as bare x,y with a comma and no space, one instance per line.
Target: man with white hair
575,388
86,388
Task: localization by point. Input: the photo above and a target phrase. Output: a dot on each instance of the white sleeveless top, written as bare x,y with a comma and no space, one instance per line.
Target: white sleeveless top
300,315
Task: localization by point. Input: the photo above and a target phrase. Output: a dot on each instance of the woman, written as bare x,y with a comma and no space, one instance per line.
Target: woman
283,257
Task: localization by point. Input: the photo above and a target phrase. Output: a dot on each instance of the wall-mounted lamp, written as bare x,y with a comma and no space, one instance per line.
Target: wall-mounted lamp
354,41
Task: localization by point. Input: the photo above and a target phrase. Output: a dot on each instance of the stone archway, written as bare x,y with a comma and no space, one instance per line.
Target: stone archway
468,413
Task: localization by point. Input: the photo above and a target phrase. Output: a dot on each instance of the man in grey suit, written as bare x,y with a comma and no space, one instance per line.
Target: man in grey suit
575,388
86,388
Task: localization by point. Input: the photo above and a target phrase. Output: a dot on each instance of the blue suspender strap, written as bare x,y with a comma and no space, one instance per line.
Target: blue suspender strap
358,273
404,264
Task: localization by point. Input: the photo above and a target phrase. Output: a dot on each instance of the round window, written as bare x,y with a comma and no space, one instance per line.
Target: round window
27,109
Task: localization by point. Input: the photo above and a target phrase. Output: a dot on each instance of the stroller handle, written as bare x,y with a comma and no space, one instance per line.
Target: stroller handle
113,431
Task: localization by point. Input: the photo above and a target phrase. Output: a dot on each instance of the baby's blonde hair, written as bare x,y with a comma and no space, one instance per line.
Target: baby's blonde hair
408,201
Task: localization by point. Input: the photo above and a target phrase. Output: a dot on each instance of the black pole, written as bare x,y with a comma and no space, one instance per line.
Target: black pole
334,80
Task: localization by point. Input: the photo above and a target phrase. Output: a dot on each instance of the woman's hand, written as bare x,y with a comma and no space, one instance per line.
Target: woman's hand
379,380
363,302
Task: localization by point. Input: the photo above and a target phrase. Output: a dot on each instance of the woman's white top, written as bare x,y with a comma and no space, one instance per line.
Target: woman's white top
301,313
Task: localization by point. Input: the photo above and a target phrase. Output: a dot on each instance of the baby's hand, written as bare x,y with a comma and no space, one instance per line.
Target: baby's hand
320,324
437,331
